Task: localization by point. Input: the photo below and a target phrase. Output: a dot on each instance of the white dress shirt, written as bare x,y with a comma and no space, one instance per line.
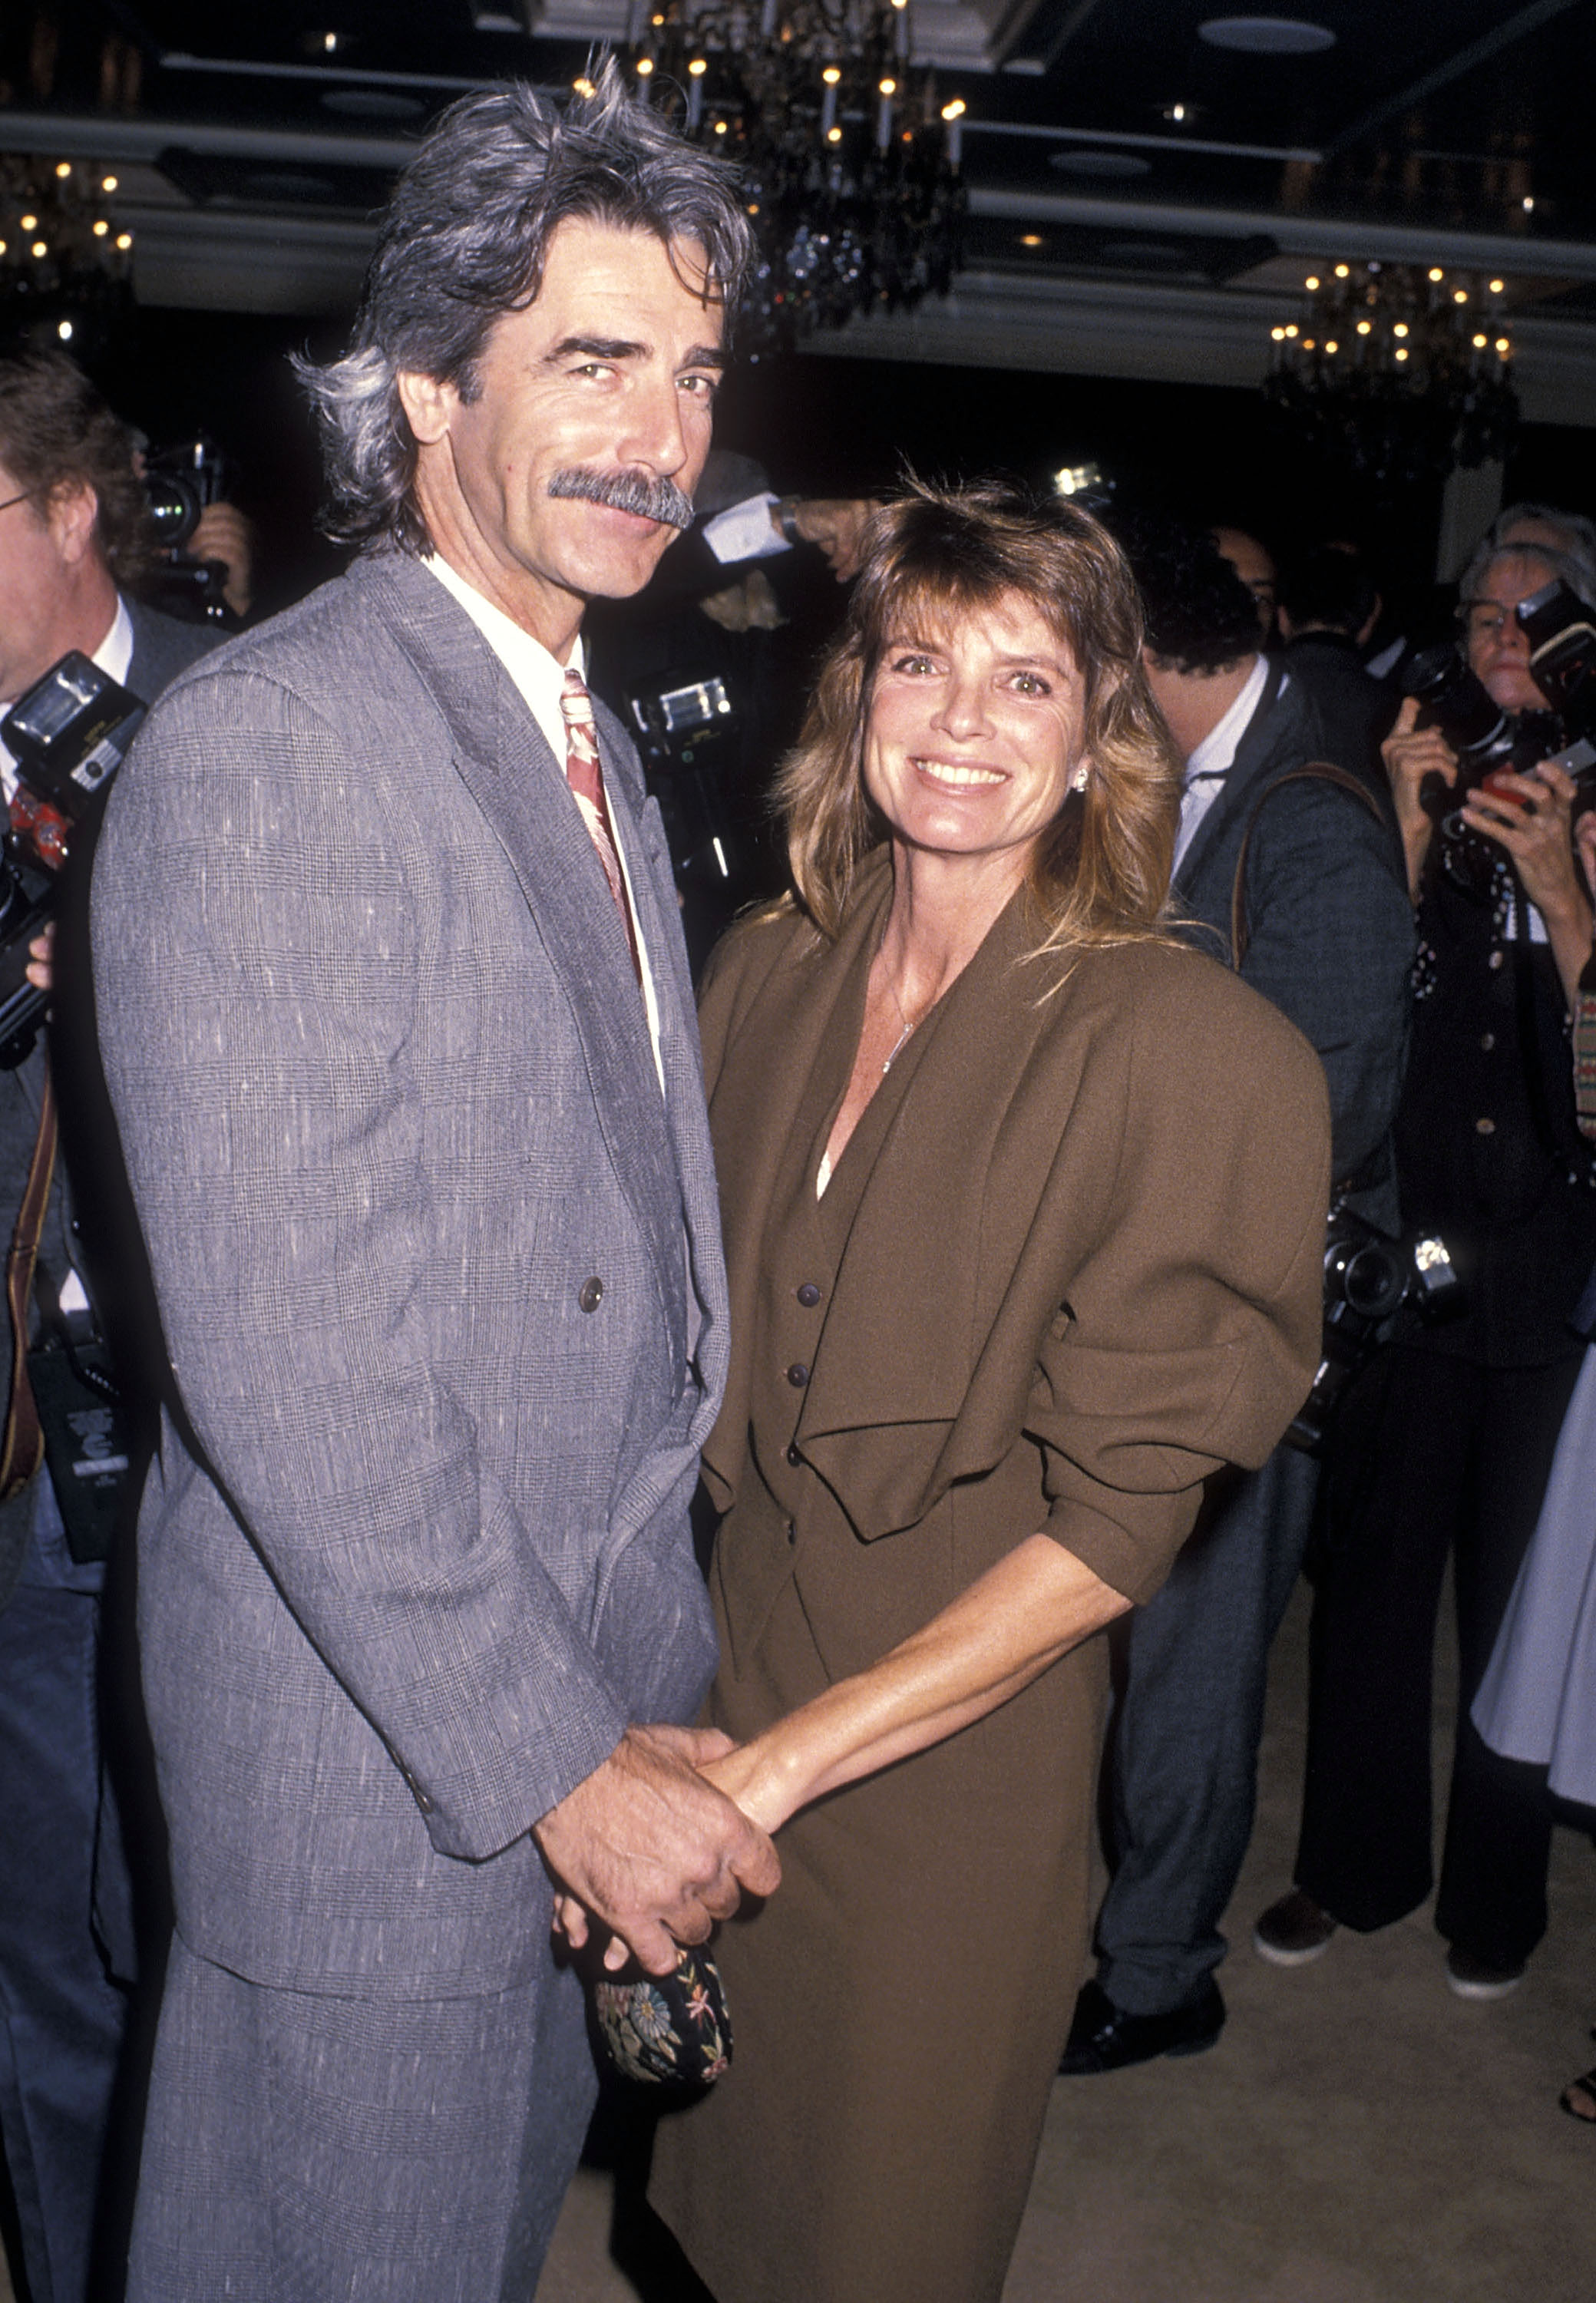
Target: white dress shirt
1215,755
541,682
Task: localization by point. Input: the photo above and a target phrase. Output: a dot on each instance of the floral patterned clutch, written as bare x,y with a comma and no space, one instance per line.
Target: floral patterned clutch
667,2029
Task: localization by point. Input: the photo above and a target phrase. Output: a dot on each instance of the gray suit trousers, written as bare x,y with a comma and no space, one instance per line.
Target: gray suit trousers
1183,1752
301,2162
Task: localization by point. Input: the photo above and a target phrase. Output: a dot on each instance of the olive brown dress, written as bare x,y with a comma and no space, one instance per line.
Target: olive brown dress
1068,1263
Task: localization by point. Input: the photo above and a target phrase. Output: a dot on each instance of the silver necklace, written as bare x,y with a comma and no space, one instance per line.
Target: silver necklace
903,1035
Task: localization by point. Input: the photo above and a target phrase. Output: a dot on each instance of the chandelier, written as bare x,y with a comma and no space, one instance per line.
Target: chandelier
1397,371
850,166
65,267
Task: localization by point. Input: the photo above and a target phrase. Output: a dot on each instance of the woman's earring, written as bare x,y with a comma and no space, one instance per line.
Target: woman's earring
1082,777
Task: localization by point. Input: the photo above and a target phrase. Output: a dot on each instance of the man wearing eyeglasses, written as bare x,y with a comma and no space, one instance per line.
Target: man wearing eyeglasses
1444,1445
74,533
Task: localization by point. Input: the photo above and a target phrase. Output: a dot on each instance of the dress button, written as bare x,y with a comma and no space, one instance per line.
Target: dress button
808,1295
1495,960
1488,1040
590,1295
797,1375
1485,1127
793,1454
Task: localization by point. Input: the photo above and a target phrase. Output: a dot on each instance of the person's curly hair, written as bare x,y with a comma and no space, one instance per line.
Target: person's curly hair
56,432
1200,615
1100,873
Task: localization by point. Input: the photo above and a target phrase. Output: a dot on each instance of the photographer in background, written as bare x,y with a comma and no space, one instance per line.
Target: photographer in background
1328,937
75,542
1444,1444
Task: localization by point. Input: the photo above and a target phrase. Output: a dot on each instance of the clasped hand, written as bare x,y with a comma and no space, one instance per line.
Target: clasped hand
1527,816
647,1848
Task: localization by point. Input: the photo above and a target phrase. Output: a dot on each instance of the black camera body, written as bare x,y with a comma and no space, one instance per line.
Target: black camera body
68,736
1487,739
1373,1287
179,484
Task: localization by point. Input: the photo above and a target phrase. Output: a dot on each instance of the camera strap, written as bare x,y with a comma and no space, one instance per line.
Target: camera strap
22,1443
1584,1026
1317,772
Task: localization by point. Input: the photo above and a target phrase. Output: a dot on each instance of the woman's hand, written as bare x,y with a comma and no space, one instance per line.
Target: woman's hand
1529,816
1410,755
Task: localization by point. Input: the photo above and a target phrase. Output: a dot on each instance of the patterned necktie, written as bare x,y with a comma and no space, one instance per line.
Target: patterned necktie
586,778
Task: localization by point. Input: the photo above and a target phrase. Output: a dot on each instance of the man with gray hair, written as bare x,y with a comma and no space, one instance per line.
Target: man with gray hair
397,1025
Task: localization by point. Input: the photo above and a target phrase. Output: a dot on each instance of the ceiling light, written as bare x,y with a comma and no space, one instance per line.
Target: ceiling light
698,67
1277,335
1496,287
1503,346
1400,329
1343,271
1267,36
833,73
1479,343
64,167
1312,281
1176,111
40,248
644,66
1436,272
1460,295
833,136
888,87
955,110
63,329
1365,326
583,86
124,241
29,223
1030,240
100,227
1401,352
1528,202
1330,345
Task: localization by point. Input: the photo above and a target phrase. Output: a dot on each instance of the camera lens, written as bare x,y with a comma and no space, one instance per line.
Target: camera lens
1373,1281
1460,706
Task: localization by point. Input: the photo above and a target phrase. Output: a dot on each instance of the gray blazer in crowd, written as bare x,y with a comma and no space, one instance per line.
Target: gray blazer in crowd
431,1250
1330,924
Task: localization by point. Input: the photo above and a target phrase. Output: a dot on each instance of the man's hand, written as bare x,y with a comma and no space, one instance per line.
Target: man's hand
644,1845
223,534
41,966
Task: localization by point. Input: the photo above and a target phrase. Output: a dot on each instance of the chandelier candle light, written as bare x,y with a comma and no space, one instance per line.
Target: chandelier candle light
850,166
65,265
1399,370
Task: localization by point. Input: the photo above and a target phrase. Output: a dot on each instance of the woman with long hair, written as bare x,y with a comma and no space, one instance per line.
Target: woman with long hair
1024,1203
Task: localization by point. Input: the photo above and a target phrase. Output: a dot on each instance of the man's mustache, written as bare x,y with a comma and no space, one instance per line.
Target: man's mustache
634,491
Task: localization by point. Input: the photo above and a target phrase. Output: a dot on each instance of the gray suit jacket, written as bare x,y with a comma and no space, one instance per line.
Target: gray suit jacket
416,1548
1331,929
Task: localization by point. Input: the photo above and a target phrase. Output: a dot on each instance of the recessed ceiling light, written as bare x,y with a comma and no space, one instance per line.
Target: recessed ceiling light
1031,239
1101,163
1267,36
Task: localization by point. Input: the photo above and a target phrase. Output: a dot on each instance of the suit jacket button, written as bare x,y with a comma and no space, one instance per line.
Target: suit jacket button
797,1375
808,1295
793,1454
590,1295
1485,1127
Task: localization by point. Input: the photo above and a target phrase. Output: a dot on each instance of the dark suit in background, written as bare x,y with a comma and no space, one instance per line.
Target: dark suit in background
1331,945
67,1937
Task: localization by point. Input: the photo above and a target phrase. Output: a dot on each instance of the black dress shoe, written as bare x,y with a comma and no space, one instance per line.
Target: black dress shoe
1103,2038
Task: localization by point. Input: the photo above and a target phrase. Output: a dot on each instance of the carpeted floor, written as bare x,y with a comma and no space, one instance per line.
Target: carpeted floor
1358,2135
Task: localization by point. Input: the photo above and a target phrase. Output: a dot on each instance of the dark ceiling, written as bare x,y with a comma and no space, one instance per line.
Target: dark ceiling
1103,136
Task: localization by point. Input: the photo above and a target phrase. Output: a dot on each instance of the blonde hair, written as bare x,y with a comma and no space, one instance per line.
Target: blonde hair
1100,873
